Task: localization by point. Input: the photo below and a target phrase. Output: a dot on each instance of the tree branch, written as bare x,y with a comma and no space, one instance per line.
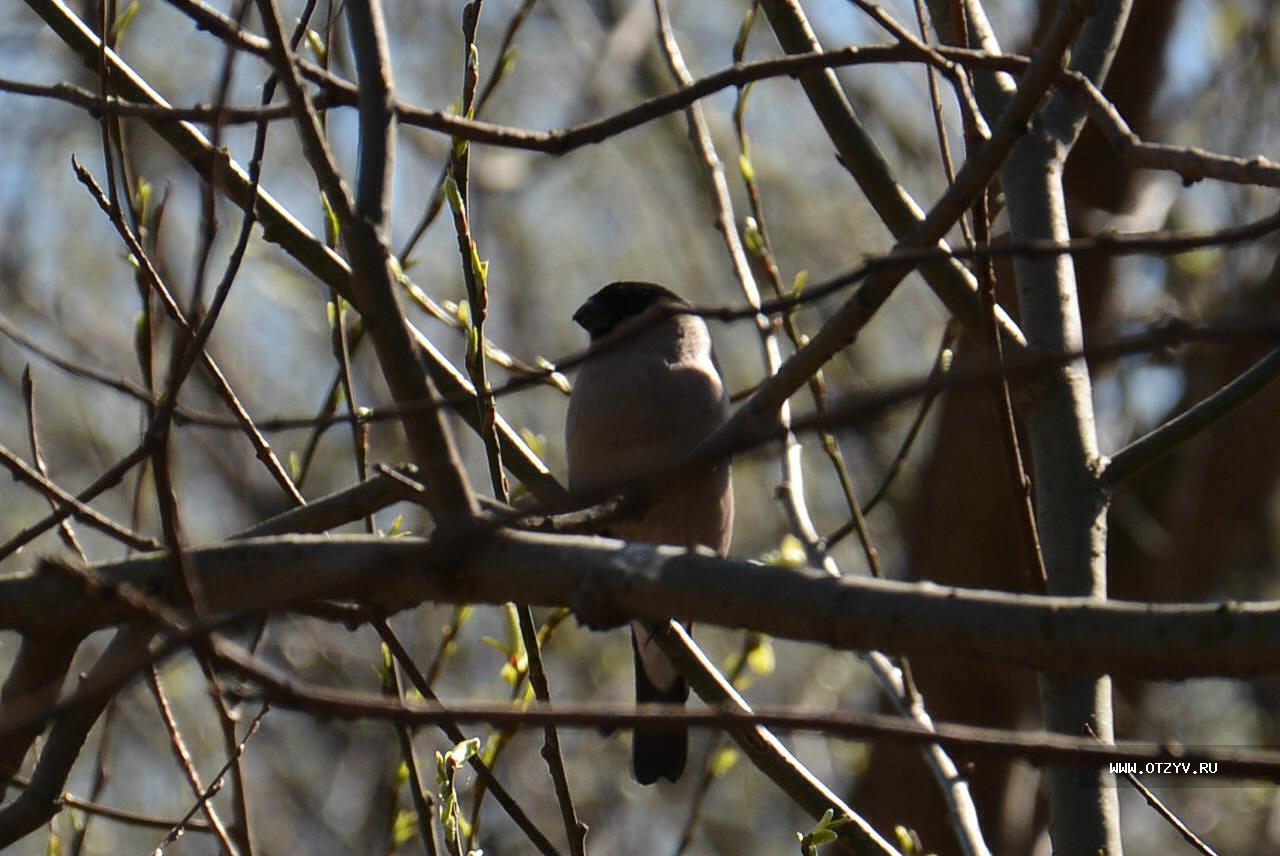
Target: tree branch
1167,437
606,582
1036,747
280,227
1070,501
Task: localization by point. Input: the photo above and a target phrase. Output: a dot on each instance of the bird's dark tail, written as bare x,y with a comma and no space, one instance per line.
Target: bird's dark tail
658,752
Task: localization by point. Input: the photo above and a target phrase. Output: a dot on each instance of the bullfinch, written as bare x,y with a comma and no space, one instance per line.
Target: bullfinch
648,393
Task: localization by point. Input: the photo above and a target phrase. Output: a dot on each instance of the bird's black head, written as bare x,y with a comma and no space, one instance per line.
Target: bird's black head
618,301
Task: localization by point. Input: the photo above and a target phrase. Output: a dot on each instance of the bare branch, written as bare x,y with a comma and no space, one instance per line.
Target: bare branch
72,506
1036,747
606,582
1184,426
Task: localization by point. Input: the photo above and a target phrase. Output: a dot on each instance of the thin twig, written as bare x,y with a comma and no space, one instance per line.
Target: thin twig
65,505
424,805
503,61
1171,434
1197,843
1042,748
107,480
185,822
183,756
474,270
709,772
101,776
152,276
423,685
93,808
1015,466
1192,163
65,530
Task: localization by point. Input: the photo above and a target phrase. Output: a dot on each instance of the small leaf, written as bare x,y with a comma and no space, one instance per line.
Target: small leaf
761,658
124,19
142,201
496,644
295,465
723,761
453,195
537,443
799,282
791,551
491,748
464,751
498,356
513,627
332,228
473,345
752,237
405,827
1199,263
744,31
560,381
386,670
317,46
744,166
479,267
508,62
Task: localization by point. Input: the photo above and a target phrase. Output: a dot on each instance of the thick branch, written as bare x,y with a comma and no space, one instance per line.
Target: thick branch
607,582
1070,502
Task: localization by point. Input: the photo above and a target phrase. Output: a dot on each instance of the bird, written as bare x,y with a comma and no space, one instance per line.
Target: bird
649,391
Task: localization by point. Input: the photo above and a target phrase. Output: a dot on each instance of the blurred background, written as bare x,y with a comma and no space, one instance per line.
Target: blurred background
1201,524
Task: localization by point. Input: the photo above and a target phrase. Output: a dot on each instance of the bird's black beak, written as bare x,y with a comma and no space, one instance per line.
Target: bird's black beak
594,317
